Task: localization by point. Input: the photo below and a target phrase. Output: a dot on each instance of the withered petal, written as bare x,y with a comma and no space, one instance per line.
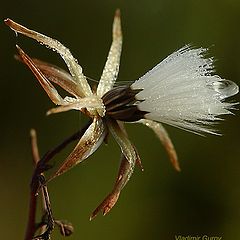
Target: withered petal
88,144
110,71
47,86
59,76
122,178
106,205
117,130
128,160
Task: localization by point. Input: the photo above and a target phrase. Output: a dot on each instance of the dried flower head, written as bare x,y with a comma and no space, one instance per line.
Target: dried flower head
181,91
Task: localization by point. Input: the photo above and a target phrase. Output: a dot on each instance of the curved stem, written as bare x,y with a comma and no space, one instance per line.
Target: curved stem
33,197
41,166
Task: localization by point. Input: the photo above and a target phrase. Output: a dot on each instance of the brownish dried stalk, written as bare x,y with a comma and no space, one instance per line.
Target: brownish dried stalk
31,227
38,183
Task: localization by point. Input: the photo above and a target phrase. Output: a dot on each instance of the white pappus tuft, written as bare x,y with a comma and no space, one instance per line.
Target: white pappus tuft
182,91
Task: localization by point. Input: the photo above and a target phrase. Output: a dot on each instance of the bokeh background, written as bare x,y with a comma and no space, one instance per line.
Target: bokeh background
158,203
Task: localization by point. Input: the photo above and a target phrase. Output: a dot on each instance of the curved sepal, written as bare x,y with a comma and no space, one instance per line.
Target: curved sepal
45,83
72,64
58,76
110,71
124,143
123,176
128,160
88,144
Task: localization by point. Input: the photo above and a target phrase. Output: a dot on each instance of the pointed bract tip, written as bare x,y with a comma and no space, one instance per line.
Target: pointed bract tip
178,169
106,211
7,21
49,112
117,13
20,51
139,164
92,217
32,133
175,164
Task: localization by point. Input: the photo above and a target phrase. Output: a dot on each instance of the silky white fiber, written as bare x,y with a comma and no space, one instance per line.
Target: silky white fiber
183,91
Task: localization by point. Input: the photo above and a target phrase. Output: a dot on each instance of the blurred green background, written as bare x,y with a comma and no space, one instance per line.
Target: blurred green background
158,203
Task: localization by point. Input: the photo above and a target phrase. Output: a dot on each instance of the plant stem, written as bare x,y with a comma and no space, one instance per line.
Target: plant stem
33,197
40,167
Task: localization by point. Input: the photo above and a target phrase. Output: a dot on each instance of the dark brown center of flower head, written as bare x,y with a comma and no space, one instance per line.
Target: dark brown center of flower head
121,104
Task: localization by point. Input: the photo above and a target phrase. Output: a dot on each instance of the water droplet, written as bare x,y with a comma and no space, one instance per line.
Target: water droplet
226,88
